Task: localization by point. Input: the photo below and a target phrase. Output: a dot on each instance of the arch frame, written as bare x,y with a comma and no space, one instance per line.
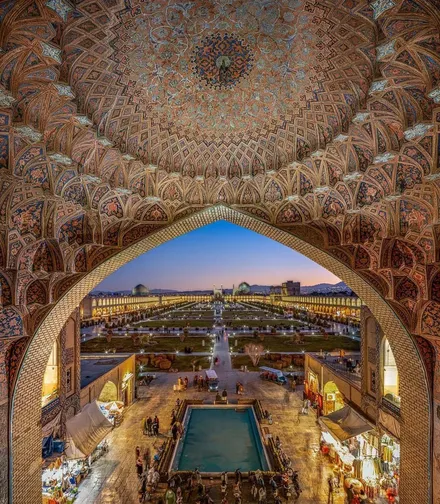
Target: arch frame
25,434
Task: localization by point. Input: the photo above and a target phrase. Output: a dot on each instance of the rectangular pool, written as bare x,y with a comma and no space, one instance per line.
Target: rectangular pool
218,439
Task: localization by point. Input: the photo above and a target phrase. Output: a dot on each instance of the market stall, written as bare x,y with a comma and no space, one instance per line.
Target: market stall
113,411
362,459
84,444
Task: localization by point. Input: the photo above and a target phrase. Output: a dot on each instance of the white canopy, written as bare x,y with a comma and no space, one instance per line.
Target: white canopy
345,423
211,374
85,431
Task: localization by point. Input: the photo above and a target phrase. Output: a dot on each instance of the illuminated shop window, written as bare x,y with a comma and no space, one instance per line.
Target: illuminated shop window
390,376
51,377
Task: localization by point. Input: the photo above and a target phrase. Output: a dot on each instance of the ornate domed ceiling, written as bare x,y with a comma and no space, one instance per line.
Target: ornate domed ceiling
254,83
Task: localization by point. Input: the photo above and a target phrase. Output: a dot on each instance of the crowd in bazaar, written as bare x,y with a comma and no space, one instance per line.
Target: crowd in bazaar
192,488
199,383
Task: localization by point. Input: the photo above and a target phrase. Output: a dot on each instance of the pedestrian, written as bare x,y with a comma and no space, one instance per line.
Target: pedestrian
179,496
224,488
262,495
139,466
175,431
170,496
225,396
237,387
224,478
147,458
238,476
293,385
155,427
330,490
149,426
156,478
185,382
254,491
350,494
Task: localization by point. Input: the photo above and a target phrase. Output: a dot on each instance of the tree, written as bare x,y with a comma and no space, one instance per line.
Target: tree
254,351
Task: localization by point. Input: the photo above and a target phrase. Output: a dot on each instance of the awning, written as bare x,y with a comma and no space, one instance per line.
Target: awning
85,431
345,424
52,427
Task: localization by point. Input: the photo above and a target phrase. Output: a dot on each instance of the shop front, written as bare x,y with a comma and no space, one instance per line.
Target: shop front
366,464
333,399
85,443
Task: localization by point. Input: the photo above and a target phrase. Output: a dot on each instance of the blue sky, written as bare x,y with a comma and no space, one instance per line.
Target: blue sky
220,253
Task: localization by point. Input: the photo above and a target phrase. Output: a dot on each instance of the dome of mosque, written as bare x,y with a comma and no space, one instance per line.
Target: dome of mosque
140,290
244,288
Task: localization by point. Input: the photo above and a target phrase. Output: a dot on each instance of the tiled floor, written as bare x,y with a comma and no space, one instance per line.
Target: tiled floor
113,478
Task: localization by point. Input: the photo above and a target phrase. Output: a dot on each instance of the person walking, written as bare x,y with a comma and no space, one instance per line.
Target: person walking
293,385
175,431
330,499
147,458
262,495
149,426
170,496
139,466
238,476
225,396
155,426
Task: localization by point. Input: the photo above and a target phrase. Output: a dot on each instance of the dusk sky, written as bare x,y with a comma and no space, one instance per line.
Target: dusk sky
221,253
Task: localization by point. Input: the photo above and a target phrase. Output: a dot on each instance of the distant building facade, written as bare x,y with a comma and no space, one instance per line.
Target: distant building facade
109,306
291,288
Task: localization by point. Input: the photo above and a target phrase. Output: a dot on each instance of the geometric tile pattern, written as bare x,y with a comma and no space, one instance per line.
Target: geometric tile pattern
323,137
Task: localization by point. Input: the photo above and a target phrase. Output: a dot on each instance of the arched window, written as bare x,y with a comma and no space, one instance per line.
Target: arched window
51,377
390,375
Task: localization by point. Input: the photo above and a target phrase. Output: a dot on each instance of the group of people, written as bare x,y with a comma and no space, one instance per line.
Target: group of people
223,397
176,426
353,495
283,457
182,384
150,427
200,383
147,472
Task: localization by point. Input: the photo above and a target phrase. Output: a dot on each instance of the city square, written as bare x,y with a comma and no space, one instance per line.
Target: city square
219,251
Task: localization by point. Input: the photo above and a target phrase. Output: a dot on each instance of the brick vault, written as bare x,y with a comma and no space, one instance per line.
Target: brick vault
118,133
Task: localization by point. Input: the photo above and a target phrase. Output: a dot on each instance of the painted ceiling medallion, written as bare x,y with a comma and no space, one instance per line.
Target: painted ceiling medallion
220,61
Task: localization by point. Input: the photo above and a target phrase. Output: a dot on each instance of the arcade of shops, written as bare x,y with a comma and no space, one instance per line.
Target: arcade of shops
357,403
83,399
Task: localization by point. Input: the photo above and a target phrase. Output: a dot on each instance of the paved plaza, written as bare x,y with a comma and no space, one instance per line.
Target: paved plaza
113,478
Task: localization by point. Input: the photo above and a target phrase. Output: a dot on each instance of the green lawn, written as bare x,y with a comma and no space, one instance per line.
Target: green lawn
311,343
243,360
174,323
159,344
263,323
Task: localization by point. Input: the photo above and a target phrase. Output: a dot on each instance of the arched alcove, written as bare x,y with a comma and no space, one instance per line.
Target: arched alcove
25,443
109,392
